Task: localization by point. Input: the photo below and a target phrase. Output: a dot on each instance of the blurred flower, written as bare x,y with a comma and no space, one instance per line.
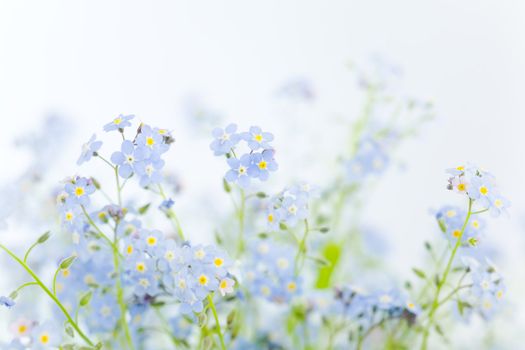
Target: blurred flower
89,149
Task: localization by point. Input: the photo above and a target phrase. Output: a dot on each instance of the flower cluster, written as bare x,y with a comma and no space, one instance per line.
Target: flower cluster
370,158
73,200
156,265
371,310
479,186
451,220
257,163
270,272
485,289
289,206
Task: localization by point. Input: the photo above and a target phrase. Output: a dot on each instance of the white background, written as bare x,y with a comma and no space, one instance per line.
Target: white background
91,60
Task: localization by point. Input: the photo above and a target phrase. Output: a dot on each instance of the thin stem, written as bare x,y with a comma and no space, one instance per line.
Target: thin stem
117,179
242,207
29,251
218,325
55,281
479,211
435,303
99,231
50,294
27,284
171,214
120,297
302,248
106,161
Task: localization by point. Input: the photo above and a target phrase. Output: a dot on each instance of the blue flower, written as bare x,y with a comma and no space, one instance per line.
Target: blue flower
262,164
119,123
238,172
78,190
371,158
480,186
127,158
45,336
105,312
256,138
166,204
224,139
149,171
7,302
151,142
89,149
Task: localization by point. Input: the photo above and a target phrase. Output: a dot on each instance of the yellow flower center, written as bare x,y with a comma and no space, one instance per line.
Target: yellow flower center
270,217
117,121
258,138
291,287
203,280
141,267
483,190
66,273
265,290
475,224
262,164
169,255
451,213
79,191
150,141
460,168
129,249
44,338
462,187
456,233
498,203
69,216
242,170
22,329
151,241
218,262
223,284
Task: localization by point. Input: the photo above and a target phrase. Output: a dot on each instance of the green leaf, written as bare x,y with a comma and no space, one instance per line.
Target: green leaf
144,209
230,318
96,183
324,229
67,262
86,298
283,226
69,331
442,226
44,237
332,253
261,195
419,273
319,261
226,186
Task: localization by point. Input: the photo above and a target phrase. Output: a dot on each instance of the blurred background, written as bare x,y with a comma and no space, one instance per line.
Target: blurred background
67,68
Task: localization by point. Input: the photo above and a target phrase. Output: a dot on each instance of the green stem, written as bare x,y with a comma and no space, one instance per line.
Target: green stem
117,179
302,249
242,207
172,215
120,293
27,284
435,303
49,293
29,250
120,297
99,231
218,325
